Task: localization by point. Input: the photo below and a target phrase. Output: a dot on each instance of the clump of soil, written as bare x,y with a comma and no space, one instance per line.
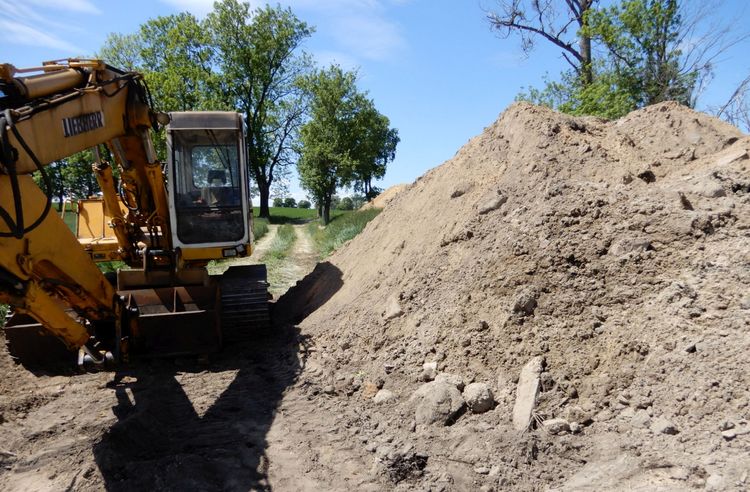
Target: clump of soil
616,251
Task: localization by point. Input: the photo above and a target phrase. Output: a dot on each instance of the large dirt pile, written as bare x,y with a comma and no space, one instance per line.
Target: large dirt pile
617,252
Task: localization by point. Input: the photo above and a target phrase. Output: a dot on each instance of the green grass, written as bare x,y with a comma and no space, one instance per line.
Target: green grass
281,244
71,217
282,215
260,227
341,229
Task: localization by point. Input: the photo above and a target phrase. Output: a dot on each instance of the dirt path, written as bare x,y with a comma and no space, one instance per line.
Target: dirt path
298,263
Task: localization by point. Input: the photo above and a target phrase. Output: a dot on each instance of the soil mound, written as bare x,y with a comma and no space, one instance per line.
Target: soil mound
384,198
613,255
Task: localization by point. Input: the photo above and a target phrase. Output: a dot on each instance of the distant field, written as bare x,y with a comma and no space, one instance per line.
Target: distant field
282,215
70,215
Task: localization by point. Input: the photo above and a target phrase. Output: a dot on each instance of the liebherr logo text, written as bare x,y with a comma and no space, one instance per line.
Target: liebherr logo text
84,123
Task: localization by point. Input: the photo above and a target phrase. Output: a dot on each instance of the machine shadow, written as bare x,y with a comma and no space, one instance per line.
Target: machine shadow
163,440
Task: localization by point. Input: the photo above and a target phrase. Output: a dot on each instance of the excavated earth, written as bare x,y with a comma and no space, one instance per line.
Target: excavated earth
613,256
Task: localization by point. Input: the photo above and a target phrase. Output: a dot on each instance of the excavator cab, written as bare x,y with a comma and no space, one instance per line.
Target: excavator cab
207,180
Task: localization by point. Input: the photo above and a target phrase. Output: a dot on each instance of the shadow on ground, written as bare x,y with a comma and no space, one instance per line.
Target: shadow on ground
160,441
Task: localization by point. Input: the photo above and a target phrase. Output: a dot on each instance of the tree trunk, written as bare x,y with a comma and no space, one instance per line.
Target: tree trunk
587,75
264,192
326,211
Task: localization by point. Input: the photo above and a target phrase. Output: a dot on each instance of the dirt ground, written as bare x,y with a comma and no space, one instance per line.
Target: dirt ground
244,420
605,265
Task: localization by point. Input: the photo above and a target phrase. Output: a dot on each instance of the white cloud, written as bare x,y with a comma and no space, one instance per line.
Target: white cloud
82,6
17,33
31,24
361,28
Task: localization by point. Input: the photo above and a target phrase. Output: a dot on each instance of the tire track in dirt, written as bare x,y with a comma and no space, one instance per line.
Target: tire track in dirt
300,261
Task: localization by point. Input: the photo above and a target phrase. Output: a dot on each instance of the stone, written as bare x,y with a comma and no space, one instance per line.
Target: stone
329,389
663,426
436,403
393,308
576,414
492,204
641,419
482,470
453,379
527,391
429,371
731,156
730,434
715,482
478,397
628,245
525,301
556,426
384,396
709,189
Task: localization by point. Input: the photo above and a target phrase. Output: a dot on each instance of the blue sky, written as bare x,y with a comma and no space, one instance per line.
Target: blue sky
432,66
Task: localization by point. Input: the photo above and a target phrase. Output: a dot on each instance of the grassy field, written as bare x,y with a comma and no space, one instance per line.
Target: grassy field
342,228
282,215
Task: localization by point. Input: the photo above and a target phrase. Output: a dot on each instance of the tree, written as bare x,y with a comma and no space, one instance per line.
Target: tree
643,40
175,56
346,203
329,140
290,203
375,149
257,54
560,23
304,204
737,108
278,202
649,51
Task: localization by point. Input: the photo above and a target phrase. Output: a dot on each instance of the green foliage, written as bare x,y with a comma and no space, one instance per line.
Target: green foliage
642,38
603,97
340,230
281,244
290,202
256,53
346,203
235,59
641,62
346,140
304,204
260,227
278,202
4,308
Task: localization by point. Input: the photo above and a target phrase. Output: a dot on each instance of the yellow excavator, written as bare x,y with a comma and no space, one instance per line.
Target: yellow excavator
165,222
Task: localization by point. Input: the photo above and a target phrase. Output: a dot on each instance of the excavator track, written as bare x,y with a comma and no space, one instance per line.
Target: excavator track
244,302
